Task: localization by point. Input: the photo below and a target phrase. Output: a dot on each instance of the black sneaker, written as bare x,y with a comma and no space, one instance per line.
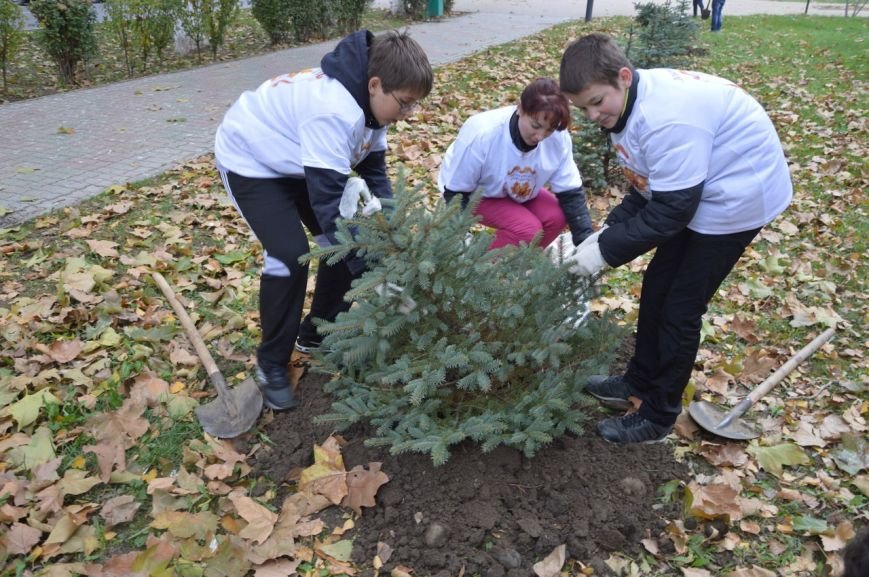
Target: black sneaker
612,392
633,428
307,346
275,386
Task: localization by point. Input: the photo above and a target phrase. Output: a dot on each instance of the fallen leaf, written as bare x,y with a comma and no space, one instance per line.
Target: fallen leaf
843,533
183,525
773,458
277,568
260,520
339,550
149,389
109,454
714,501
362,486
27,409
729,454
19,539
327,475
120,509
552,563
104,248
807,435
852,454
63,351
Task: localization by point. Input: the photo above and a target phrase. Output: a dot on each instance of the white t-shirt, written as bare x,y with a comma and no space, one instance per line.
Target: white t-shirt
687,127
484,157
293,121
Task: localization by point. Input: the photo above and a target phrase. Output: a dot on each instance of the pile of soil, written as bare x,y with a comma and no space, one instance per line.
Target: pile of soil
492,514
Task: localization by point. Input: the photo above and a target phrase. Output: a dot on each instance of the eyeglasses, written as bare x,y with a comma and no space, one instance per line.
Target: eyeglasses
404,107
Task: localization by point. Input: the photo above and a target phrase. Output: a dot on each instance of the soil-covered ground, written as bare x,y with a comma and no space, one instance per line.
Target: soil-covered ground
489,514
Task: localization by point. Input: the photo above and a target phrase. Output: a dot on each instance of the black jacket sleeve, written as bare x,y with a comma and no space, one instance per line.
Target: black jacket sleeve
325,187
372,169
575,210
631,204
465,196
635,230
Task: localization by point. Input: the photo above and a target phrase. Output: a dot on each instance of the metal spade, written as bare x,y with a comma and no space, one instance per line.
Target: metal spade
728,424
235,410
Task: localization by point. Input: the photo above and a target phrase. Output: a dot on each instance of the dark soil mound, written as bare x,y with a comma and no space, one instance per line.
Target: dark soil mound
491,514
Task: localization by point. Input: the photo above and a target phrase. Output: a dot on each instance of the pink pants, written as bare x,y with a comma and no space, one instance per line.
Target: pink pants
515,222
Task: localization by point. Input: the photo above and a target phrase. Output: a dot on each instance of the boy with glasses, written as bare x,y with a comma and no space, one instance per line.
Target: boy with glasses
285,152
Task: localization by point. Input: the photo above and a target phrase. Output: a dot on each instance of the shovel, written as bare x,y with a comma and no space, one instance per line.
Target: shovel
728,425
234,411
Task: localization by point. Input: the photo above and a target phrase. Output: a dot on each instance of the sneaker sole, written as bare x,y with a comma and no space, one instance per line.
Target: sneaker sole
653,442
277,408
612,402
305,350
649,442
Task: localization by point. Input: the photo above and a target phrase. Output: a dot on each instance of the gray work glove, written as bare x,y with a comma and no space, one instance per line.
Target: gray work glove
355,190
586,260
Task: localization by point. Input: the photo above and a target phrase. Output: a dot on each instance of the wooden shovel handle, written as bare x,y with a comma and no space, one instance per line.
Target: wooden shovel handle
214,373
791,364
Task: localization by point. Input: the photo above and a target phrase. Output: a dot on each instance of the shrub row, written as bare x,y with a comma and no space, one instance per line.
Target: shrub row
145,29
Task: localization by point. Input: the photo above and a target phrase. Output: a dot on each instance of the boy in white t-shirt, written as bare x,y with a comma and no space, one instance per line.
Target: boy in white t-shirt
706,171
285,152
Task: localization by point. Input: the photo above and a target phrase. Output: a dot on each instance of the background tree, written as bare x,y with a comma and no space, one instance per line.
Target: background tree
274,17
11,23
190,17
143,28
218,15
450,342
67,33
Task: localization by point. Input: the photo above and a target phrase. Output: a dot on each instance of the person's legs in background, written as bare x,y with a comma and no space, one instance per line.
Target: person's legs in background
717,18
698,7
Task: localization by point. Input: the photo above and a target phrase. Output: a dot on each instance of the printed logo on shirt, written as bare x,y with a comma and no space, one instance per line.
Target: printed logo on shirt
520,184
638,181
288,78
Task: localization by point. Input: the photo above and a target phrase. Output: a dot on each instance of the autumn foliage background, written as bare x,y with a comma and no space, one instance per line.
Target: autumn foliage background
105,470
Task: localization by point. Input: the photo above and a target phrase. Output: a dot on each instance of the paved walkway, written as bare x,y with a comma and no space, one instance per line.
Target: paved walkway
58,150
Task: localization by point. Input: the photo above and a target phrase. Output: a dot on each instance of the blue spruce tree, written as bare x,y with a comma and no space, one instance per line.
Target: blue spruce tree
449,342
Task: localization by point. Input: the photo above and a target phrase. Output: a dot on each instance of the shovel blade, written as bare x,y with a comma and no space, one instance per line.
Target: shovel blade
710,417
218,418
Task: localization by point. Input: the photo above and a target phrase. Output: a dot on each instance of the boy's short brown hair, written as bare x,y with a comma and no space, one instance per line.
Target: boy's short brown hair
592,59
400,63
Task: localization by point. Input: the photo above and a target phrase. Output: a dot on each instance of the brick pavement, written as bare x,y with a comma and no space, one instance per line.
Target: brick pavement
58,150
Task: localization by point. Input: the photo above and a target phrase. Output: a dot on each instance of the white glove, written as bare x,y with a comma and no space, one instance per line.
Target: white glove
390,290
592,237
354,190
350,198
586,260
372,203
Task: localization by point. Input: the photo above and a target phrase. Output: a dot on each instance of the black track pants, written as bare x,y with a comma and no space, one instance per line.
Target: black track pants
278,211
678,284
